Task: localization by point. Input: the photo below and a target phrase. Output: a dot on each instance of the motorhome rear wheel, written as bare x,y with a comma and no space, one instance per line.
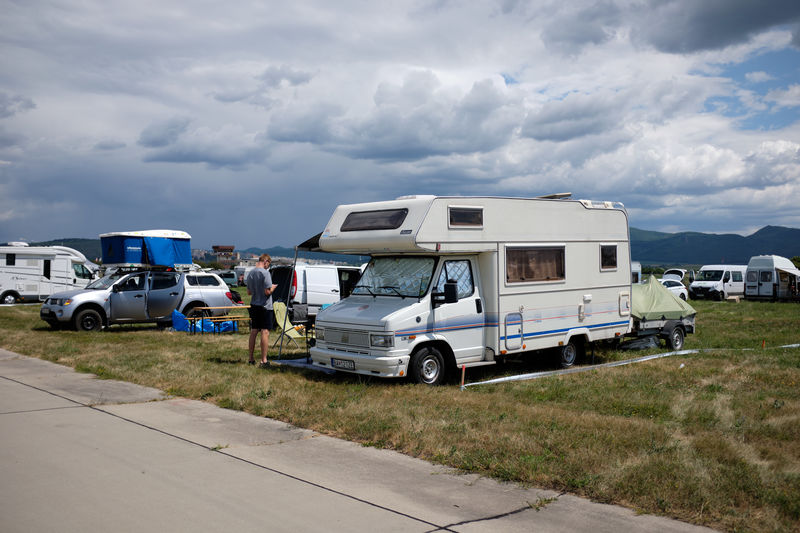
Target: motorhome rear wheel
569,354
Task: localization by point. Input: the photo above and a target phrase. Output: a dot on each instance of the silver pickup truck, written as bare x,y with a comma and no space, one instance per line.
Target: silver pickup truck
135,297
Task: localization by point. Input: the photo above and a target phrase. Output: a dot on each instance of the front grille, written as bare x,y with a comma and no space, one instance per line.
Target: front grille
347,337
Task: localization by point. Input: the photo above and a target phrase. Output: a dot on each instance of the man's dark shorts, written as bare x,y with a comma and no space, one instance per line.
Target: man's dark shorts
261,317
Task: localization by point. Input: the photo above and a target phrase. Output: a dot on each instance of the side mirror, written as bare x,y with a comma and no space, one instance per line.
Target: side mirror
115,288
450,292
727,278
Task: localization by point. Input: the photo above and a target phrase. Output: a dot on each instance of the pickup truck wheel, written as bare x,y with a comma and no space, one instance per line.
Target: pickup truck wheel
88,320
569,354
193,312
675,338
8,298
427,366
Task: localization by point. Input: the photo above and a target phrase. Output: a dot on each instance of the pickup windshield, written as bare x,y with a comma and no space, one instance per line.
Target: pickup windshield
396,276
709,275
106,281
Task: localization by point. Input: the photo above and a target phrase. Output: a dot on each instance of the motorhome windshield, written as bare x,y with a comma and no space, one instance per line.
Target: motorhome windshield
396,276
709,275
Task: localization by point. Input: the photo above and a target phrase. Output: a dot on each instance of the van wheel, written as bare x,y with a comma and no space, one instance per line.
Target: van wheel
8,298
88,320
675,338
569,354
427,366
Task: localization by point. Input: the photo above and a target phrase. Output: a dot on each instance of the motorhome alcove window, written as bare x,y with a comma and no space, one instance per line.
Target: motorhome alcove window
465,217
374,220
608,256
535,264
11,259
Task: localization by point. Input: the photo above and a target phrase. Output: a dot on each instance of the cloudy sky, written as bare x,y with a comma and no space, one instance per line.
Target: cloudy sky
247,122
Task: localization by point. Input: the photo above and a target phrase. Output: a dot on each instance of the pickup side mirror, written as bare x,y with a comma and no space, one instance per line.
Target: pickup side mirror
115,288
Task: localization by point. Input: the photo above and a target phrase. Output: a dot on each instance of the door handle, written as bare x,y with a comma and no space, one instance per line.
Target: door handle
174,293
138,295
334,290
478,305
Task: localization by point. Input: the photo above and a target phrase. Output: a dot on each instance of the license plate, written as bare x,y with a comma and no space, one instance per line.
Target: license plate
45,312
344,364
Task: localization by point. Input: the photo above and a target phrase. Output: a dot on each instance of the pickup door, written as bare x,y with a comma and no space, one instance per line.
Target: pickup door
128,301
166,292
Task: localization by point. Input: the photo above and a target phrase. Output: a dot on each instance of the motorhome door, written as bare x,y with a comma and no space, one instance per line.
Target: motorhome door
461,323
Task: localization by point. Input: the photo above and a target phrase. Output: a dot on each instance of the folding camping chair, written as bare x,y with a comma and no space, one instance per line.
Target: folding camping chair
286,328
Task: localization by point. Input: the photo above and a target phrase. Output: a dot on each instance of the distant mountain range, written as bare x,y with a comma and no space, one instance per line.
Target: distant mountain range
648,247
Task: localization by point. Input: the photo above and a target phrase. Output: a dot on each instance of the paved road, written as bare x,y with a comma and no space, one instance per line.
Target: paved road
82,454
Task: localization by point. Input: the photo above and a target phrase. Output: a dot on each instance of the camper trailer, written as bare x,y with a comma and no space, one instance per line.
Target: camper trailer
771,277
32,273
464,281
718,282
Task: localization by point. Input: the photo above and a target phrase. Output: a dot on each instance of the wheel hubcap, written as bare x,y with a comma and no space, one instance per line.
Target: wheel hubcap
430,369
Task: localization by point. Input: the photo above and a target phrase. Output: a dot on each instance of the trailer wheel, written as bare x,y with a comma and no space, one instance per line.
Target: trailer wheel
569,354
88,320
427,366
675,338
8,298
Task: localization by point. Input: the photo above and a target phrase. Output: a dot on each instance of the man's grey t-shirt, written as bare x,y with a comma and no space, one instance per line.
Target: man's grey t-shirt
257,280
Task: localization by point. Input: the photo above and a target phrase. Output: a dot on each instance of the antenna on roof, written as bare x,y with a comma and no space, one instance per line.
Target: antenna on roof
556,196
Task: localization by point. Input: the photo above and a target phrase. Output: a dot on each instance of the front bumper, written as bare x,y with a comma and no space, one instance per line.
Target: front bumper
55,313
386,366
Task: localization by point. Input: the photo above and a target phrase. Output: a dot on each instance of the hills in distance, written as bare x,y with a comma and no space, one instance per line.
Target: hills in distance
648,247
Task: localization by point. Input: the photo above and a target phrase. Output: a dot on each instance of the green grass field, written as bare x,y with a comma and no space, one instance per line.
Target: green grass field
710,438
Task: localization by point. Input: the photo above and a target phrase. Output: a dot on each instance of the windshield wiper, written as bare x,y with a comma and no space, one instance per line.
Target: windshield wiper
364,287
400,294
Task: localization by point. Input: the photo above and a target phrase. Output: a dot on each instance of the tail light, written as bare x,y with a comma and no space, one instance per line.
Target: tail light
294,284
230,296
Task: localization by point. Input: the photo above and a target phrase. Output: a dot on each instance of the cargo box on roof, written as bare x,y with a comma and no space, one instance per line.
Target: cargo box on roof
166,248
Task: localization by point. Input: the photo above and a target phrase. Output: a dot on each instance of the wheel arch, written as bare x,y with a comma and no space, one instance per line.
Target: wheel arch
443,347
94,306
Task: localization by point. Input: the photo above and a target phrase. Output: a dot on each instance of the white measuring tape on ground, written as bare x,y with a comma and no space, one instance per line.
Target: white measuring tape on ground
575,370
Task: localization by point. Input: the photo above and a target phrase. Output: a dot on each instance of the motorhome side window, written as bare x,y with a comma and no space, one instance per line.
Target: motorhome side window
535,264
608,256
465,217
374,220
46,272
11,259
461,273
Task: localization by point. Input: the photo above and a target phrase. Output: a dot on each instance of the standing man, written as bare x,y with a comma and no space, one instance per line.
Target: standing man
262,318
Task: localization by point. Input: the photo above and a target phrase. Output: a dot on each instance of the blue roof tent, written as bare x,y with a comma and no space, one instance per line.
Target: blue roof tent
167,248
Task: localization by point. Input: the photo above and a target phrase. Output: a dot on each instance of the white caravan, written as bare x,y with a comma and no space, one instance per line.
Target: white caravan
771,277
718,282
32,273
466,281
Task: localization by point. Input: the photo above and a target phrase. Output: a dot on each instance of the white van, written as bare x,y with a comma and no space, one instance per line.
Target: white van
313,285
466,281
32,273
718,282
771,277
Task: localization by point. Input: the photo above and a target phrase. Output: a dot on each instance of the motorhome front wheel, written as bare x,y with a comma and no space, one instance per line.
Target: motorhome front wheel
427,366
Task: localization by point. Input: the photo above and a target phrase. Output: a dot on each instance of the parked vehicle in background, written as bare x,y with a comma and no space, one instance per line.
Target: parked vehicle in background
136,296
314,285
675,287
241,273
32,273
718,282
636,272
771,277
678,274
229,277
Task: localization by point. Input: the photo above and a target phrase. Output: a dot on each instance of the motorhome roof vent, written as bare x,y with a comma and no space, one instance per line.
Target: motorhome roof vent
18,243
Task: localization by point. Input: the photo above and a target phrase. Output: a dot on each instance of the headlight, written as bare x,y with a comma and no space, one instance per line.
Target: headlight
381,341
67,301
320,334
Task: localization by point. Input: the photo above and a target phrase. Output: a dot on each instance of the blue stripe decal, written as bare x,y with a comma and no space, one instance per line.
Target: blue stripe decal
564,330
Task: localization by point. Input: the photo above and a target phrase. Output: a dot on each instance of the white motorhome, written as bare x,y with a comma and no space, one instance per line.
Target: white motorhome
636,272
466,281
771,277
32,273
718,282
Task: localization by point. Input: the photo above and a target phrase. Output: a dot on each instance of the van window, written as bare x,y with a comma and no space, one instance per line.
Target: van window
766,276
81,271
461,273
375,220
736,276
11,259
465,217
752,276
608,256
535,264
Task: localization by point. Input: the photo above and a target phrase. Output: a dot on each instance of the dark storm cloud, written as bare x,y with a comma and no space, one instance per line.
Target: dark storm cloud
685,26
574,116
10,105
575,27
163,133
